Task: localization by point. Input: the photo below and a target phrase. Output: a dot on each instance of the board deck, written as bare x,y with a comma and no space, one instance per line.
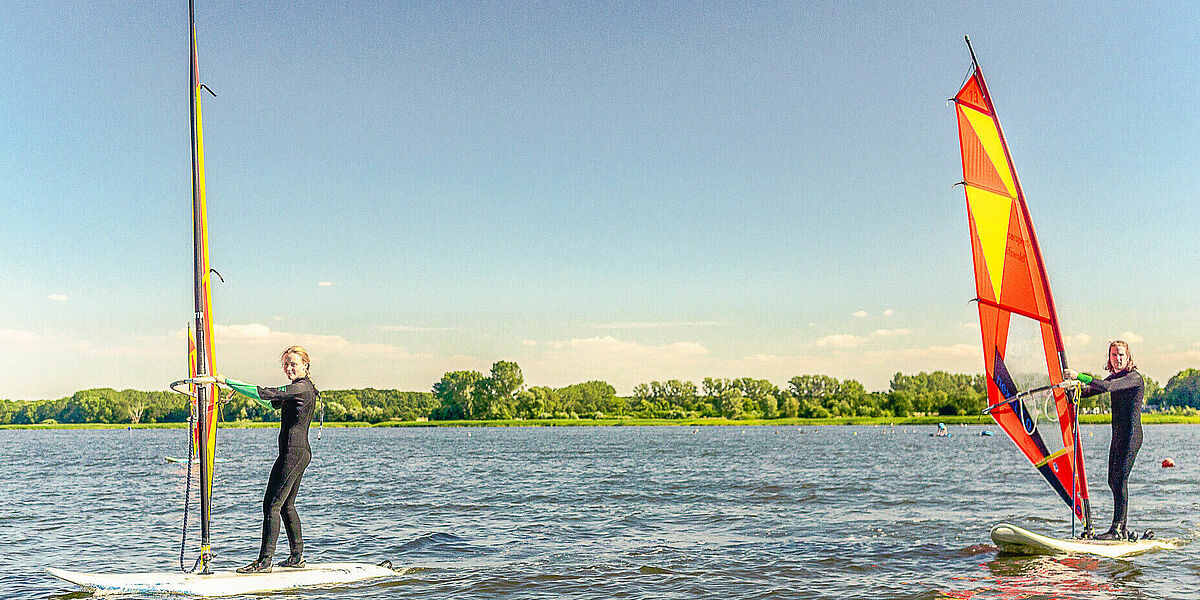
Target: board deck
1014,540
225,583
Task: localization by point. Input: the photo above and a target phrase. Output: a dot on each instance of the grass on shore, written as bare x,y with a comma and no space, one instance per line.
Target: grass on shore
1149,419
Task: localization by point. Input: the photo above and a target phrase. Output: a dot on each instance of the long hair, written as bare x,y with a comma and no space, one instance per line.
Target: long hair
1122,344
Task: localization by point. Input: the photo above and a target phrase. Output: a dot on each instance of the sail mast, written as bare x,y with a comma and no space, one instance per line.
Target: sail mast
205,393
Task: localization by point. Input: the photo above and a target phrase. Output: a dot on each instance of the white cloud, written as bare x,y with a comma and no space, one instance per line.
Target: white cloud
1076,341
1132,337
891,332
242,332
30,362
253,337
250,352
956,351
840,340
889,312
862,314
57,297
408,328
611,345
13,336
873,368
654,325
621,363
324,283
23,342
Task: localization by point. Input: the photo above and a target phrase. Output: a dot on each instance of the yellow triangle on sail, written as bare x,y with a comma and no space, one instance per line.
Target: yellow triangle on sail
989,137
991,213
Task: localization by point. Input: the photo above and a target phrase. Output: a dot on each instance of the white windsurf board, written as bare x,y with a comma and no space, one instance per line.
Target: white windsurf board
1014,540
225,583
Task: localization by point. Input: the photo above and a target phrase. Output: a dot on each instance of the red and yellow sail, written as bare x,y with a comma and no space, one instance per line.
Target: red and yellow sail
1012,288
205,363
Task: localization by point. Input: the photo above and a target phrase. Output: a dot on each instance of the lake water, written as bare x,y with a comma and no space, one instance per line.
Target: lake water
609,512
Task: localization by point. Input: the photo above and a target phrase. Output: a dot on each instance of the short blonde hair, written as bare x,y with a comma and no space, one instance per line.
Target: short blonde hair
298,351
1109,366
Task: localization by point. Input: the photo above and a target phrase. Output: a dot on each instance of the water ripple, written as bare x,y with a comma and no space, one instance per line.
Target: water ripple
610,512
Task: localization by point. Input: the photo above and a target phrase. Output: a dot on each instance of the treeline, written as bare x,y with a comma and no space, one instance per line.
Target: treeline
1182,391
98,406
131,406
502,394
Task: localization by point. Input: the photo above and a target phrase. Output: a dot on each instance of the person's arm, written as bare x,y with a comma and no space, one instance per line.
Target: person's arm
248,390
292,391
1130,380
1094,386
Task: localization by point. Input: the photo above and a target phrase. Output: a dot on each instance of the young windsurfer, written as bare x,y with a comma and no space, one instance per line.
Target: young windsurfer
1126,388
296,402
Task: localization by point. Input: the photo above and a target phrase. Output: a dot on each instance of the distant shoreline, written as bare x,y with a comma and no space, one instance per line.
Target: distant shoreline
1147,419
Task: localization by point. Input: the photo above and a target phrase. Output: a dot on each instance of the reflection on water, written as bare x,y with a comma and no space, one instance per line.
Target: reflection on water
630,512
1018,577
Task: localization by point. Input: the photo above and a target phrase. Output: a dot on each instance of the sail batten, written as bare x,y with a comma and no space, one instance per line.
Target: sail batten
1013,294
1015,310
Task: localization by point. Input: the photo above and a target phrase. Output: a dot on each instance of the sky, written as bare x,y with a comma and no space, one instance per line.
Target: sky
625,192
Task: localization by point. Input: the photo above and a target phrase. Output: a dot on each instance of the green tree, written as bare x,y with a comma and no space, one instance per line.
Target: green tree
591,397
1153,391
731,403
457,393
813,386
714,387
791,407
675,393
762,396
1183,389
900,403
496,396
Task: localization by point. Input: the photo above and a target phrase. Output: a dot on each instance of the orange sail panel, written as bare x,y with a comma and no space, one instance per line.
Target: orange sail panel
1013,293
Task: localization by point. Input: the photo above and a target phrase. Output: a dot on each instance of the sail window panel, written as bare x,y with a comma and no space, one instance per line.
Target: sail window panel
993,325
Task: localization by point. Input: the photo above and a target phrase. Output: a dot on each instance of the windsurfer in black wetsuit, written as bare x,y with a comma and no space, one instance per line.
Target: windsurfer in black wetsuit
296,402
1125,387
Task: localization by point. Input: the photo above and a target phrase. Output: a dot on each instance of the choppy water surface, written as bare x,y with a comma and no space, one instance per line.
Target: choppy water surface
613,512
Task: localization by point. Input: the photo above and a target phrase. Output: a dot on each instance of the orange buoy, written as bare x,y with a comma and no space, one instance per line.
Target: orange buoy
1168,463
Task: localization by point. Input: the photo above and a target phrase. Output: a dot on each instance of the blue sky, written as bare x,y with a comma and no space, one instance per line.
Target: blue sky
624,192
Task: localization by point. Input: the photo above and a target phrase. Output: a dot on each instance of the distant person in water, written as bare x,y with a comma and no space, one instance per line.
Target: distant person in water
1126,388
296,402
941,430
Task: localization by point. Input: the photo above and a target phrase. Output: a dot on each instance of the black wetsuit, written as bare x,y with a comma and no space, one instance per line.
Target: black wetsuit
1126,390
296,403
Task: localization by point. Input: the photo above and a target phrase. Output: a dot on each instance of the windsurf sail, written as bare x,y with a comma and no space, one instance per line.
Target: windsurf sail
1013,294
205,363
